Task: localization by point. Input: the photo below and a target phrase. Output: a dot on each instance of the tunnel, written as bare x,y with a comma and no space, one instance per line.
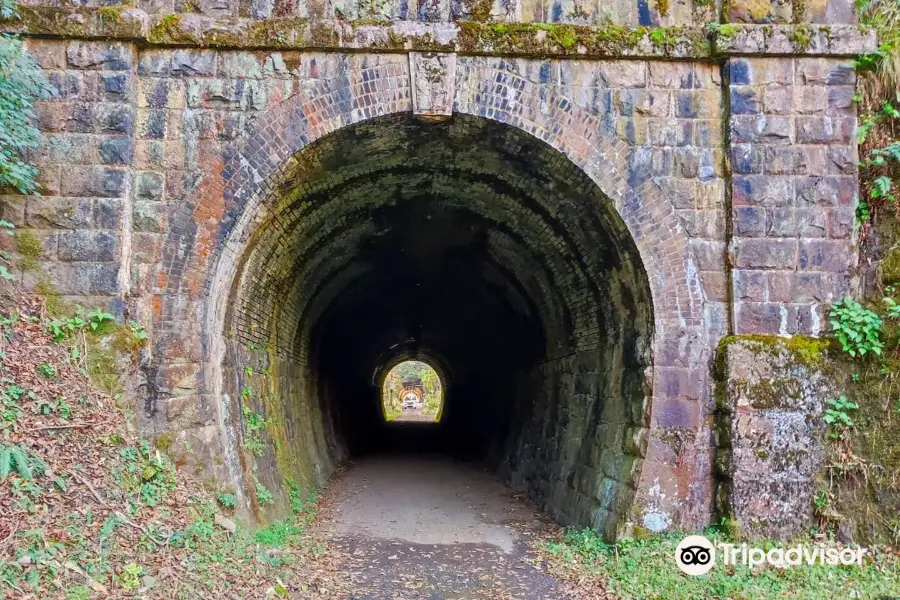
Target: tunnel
470,245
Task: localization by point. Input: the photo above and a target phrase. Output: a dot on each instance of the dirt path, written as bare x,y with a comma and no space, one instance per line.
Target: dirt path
414,416
431,528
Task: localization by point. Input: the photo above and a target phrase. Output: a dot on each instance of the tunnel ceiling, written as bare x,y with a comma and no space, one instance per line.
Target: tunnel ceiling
402,231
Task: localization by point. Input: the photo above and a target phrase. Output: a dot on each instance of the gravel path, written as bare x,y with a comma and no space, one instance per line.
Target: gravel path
436,529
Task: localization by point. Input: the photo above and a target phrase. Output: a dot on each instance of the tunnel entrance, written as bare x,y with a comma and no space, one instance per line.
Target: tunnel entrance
468,244
412,393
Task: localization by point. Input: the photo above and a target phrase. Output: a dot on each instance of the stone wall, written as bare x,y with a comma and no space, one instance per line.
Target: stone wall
794,190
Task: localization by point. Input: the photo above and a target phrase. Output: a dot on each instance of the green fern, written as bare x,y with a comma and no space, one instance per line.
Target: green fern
14,460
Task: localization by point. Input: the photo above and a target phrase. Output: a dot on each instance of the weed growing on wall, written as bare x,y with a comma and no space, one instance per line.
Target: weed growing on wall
21,85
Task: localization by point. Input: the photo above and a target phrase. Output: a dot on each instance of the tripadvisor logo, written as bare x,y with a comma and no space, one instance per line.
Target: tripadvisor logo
696,555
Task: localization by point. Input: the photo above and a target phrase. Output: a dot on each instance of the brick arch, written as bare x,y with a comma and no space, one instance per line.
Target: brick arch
201,257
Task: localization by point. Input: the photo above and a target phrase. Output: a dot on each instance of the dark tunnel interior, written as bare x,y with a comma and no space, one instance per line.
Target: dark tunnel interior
477,248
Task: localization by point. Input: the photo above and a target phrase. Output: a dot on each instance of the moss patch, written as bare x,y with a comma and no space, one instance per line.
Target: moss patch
607,40
53,302
29,246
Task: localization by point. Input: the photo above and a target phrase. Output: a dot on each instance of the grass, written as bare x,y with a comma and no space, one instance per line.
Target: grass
646,570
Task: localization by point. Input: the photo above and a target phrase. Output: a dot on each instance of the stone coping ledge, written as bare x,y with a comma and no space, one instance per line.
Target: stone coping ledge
465,37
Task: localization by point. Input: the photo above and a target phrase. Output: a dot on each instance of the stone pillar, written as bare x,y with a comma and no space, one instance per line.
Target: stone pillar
793,191
771,433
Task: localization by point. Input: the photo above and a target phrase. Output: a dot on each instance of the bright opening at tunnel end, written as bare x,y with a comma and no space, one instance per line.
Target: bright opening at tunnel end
412,392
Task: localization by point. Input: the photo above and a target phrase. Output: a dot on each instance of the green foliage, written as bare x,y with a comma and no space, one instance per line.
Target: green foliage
299,505
263,495
253,425
582,545
137,330
21,84
10,229
821,501
11,410
131,577
227,500
97,317
857,328
47,370
64,327
837,415
59,406
278,534
14,459
893,307
144,474
80,592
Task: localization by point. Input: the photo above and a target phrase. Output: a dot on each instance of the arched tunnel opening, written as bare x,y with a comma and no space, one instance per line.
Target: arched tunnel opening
473,246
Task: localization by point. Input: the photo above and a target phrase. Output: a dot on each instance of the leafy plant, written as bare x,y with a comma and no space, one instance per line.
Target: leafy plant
22,83
893,306
857,328
821,501
263,495
131,577
278,534
145,473
837,415
97,317
254,423
137,330
227,500
47,370
14,459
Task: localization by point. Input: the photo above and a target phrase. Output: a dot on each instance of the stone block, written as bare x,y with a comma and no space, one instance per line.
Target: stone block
192,63
825,71
108,56
774,400
241,65
774,129
114,118
766,318
108,213
708,255
161,93
826,130
48,54
149,185
747,159
76,279
115,87
88,246
59,213
751,286
835,256
778,99
623,73
841,221
827,191
769,191
149,217
756,253
116,150
12,209
433,82
744,100
89,181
